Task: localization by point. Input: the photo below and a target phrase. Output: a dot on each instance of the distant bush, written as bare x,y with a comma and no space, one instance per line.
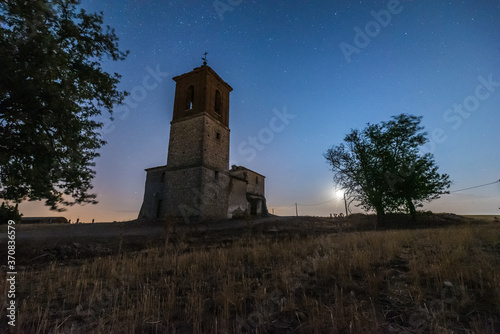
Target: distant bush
9,212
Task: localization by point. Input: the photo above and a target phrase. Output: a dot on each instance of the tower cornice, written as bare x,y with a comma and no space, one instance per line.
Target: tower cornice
200,69
199,115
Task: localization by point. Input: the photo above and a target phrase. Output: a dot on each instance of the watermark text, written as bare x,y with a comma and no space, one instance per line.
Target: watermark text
11,273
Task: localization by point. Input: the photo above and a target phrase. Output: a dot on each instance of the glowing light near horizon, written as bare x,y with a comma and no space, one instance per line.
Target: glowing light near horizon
338,193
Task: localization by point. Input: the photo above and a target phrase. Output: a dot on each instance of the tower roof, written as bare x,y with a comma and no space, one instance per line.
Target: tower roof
208,70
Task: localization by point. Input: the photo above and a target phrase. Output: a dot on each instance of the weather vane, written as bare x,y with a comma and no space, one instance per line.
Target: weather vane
204,58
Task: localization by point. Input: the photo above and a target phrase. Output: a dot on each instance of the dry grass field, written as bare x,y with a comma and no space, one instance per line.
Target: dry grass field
301,275
489,218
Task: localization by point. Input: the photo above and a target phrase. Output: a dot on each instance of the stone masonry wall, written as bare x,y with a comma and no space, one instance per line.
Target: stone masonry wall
255,183
186,142
216,145
182,196
154,189
215,190
237,204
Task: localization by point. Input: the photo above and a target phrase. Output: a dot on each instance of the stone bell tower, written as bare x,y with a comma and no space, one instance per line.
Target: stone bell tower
199,132
195,183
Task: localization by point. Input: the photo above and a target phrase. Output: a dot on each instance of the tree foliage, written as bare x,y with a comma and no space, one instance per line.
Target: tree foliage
52,89
381,166
9,212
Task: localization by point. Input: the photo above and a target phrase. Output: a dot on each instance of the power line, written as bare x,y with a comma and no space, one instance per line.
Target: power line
333,199
298,204
482,185
317,203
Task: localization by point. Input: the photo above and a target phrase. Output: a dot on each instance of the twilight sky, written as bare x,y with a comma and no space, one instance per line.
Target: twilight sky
304,74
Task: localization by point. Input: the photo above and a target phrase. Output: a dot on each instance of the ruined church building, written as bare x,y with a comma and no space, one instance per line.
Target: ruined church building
196,184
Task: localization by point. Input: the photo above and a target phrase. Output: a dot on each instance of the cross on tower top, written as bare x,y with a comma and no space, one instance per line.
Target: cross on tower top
204,58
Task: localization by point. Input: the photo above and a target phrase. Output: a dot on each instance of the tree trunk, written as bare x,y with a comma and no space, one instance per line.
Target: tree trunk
380,216
411,207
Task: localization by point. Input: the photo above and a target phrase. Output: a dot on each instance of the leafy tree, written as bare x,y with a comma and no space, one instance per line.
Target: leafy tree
381,167
9,212
52,89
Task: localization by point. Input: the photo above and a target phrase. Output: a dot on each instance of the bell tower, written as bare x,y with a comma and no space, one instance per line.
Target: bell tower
199,132
196,183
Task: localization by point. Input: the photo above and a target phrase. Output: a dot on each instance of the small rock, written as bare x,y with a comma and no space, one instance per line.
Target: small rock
449,294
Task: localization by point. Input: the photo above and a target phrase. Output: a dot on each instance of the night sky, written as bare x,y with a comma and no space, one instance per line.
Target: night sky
304,74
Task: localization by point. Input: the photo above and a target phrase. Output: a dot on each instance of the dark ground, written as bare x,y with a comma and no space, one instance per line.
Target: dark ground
41,243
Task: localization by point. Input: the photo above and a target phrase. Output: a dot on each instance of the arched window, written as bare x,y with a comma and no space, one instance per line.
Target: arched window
218,102
189,97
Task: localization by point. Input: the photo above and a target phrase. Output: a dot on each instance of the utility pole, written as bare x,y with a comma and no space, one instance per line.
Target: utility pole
345,203
296,210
